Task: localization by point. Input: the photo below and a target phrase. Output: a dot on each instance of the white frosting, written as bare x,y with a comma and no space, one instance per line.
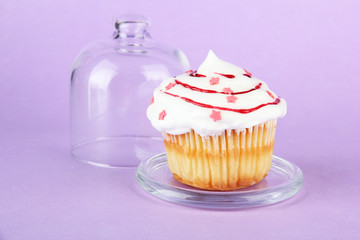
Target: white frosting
182,116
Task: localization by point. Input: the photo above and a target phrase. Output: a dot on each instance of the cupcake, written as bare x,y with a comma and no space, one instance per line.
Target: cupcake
218,125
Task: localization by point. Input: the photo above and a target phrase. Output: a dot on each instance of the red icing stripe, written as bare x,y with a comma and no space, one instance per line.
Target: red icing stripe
169,86
195,74
249,110
226,75
270,94
213,91
248,74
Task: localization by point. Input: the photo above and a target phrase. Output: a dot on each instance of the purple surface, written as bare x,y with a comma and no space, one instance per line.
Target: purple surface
308,52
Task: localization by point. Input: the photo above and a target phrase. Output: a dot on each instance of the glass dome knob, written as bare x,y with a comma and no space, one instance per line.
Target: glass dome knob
131,27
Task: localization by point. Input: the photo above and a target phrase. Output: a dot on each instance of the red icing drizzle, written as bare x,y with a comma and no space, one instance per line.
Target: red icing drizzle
270,94
169,86
248,74
249,110
226,75
213,91
195,74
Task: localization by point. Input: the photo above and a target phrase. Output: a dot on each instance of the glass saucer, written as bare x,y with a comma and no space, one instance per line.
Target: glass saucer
284,180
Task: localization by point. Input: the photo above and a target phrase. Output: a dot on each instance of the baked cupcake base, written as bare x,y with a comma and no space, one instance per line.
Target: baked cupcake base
232,160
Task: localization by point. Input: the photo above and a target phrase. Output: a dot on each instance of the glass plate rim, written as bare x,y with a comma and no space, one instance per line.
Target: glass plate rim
284,190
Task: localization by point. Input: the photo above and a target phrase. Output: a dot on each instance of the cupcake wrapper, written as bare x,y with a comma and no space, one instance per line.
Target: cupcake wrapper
234,159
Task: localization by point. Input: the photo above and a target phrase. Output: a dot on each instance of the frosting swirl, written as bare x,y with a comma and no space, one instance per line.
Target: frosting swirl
216,97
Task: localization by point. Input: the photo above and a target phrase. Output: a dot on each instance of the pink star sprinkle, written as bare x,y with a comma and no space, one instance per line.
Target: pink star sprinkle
171,85
162,115
270,94
152,100
215,115
214,80
189,71
231,99
227,91
248,74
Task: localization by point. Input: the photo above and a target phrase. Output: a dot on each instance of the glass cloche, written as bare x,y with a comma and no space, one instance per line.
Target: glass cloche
112,83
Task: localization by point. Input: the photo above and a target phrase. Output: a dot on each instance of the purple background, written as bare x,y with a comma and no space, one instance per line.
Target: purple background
308,52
